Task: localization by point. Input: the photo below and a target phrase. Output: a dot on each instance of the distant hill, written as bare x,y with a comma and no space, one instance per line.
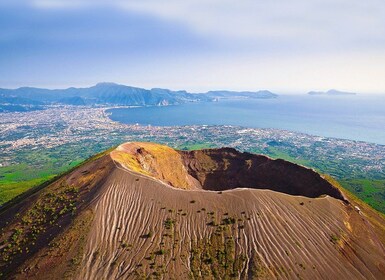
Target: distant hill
331,92
104,94
147,211
225,94
114,94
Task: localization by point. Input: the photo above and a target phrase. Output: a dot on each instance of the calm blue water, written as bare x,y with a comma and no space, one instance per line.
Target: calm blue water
349,117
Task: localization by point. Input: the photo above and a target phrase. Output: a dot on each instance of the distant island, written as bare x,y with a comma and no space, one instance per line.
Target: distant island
331,92
111,94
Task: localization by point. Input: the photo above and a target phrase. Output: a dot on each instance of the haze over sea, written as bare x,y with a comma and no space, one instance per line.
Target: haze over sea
360,118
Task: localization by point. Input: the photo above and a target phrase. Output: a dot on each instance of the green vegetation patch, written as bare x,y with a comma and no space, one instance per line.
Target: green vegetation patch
215,257
44,214
191,146
370,191
17,179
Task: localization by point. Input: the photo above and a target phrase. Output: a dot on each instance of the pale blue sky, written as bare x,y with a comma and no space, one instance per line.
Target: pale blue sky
198,45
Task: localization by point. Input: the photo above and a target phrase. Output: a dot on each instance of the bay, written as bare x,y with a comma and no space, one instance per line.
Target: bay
360,118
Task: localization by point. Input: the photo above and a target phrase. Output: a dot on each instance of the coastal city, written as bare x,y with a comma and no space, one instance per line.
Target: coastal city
57,126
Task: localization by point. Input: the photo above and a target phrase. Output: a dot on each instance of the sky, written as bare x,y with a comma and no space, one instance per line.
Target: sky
287,46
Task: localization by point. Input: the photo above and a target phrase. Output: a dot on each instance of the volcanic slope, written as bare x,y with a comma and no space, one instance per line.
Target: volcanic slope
146,211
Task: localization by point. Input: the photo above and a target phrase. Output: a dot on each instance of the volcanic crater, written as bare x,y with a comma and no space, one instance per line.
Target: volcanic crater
226,169
147,211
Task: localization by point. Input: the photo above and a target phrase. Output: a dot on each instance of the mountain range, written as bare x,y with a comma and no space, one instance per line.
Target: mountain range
110,94
147,211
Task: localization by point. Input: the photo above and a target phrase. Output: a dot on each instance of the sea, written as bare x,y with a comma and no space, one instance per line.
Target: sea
360,118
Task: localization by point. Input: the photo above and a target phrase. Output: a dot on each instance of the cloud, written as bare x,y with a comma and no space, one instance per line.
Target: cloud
322,22
95,28
242,44
255,26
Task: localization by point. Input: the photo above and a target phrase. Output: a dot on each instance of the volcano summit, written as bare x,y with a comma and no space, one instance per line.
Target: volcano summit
145,210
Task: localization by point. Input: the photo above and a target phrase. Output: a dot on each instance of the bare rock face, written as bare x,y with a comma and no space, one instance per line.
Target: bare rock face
226,168
147,211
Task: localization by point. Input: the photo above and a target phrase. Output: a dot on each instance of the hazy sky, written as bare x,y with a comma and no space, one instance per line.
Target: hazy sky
281,45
